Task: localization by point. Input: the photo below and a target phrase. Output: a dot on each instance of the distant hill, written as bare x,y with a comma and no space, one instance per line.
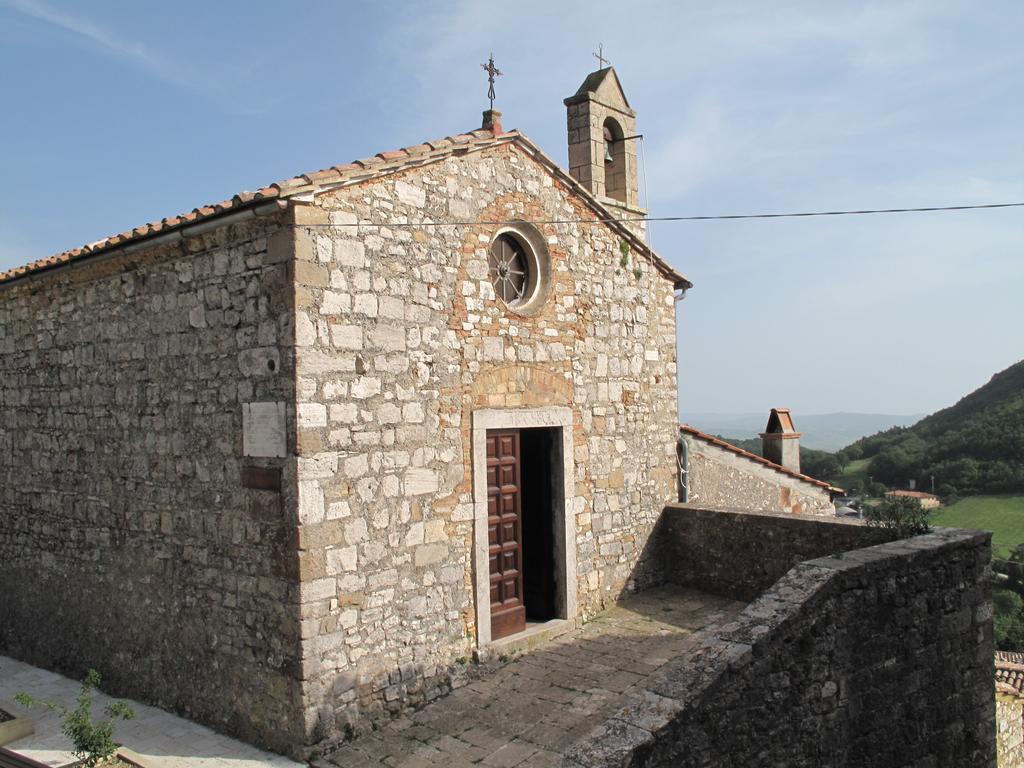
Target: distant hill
823,431
975,446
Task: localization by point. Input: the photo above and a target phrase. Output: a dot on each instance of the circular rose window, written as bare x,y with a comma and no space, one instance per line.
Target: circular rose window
510,269
519,268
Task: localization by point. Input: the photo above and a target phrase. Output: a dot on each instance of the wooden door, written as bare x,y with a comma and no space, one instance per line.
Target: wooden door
505,532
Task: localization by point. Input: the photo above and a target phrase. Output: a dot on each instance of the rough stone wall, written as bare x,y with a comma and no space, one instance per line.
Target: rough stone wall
877,657
740,554
399,339
722,479
1009,730
127,542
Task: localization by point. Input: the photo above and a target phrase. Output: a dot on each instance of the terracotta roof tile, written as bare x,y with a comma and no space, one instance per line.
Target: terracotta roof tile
754,457
353,172
1010,672
912,494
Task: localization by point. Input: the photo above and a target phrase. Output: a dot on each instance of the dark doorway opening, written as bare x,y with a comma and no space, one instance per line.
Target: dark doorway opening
538,456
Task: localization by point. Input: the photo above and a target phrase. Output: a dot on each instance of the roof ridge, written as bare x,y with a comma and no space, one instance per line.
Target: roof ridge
355,171
245,198
760,459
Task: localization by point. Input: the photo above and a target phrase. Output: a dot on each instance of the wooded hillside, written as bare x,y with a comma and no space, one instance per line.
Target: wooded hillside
975,446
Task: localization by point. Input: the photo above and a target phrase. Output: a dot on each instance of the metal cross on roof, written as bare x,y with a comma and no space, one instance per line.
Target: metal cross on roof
600,56
492,72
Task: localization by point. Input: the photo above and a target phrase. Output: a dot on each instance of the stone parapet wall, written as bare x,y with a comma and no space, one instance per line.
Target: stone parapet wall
1009,730
127,541
399,340
877,657
740,554
718,478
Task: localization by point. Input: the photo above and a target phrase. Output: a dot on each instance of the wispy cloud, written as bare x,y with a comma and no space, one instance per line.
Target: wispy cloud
108,42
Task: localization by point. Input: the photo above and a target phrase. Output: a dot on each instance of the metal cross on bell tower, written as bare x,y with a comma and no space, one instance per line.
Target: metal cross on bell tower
601,60
492,72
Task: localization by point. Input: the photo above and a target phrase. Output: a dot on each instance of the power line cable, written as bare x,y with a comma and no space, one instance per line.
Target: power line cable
721,217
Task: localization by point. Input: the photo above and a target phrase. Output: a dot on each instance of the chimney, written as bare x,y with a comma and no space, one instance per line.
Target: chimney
492,121
780,442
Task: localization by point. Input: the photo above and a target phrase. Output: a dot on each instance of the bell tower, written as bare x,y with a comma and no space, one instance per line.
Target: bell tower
602,144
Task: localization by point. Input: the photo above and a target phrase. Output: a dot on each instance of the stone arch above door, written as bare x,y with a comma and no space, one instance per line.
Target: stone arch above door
521,386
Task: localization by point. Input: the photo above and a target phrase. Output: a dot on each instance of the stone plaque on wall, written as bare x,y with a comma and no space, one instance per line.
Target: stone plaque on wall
263,429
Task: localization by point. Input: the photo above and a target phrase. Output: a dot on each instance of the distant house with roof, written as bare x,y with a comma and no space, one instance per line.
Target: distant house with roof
1010,708
928,500
717,473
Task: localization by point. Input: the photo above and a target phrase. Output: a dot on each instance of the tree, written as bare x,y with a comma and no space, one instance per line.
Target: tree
93,741
903,515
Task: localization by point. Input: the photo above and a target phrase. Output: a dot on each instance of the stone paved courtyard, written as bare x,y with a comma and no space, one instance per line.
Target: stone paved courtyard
527,711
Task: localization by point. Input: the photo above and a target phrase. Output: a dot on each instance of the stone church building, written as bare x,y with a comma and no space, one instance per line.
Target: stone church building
281,462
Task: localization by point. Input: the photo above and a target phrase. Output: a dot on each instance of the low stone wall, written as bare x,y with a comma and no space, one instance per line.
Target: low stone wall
740,554
877,657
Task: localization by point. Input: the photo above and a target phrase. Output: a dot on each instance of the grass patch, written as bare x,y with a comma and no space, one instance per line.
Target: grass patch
854,472
1003,515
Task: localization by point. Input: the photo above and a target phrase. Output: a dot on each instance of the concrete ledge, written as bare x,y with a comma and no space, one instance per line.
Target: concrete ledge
18,728
142,761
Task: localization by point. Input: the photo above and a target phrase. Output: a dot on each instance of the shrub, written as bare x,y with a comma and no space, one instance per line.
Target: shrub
93,741
902,514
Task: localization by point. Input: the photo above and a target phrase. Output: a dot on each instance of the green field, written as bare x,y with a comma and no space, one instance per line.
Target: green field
1003,515
855,471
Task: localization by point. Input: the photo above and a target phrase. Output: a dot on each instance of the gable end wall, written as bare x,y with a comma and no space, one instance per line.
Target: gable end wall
399,340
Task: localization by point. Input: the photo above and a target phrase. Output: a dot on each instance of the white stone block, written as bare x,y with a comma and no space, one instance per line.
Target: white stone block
312,415
356,466
364,387
494,348
421,481
344,413
434,531
335,303
388,338
415,535
355,531
337,510
263,429
346,336
428,554
318,589
342,559
311,502
412,413
350,253
389,413
366,304
409,194
391,307
305,330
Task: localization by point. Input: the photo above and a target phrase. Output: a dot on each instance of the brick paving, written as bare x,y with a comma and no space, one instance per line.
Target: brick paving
525,713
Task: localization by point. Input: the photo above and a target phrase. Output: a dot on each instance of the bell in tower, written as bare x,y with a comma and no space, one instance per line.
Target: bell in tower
602,144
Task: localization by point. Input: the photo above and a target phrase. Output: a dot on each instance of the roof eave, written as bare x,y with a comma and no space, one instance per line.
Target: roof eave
605,215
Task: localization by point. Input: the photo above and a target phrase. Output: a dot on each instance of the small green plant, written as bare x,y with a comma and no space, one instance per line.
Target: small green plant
624,250
93,741
903,515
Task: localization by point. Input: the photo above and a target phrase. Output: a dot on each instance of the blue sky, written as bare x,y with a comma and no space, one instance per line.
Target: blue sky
117,113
